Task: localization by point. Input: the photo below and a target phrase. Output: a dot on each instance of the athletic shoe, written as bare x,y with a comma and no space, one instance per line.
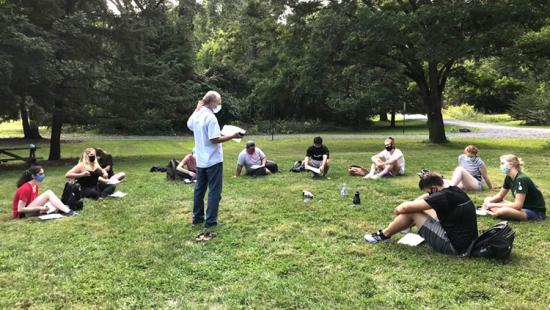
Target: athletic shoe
375,177
376,237
71,213
368,176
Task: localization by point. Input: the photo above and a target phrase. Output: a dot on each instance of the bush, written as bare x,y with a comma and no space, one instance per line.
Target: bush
533,106
463,111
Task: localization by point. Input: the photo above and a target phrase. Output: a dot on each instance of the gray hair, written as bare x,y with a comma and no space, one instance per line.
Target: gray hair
211,97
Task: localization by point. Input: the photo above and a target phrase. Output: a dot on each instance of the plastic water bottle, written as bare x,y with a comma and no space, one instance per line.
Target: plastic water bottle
344,190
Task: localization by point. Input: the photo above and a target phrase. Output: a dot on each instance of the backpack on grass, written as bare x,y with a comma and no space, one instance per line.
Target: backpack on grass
495,243
298,166
171,172
72,197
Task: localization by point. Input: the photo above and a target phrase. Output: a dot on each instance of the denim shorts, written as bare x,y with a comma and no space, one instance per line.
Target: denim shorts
535,215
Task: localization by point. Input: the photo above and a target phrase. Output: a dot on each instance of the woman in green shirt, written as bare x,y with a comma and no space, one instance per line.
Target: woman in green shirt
528,201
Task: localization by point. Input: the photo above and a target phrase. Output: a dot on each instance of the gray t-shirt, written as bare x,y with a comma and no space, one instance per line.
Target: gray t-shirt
472,165
251,160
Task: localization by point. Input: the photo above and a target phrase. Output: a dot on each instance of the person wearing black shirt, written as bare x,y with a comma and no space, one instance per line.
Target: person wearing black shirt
317,157
445,217
106,162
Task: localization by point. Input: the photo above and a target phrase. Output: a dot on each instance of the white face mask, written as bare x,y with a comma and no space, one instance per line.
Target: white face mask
218,108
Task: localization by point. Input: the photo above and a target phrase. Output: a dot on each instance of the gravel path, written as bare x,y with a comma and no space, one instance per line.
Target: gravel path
484,130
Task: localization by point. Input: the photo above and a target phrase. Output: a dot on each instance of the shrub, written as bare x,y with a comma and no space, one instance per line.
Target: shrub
533,106
463,111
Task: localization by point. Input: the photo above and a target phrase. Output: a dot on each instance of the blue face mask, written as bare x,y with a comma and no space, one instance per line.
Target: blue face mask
39,178
504,169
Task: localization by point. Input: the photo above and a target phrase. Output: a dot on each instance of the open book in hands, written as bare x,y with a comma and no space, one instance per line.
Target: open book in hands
229,130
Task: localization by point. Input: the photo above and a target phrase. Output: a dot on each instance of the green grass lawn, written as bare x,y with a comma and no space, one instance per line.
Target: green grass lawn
272,249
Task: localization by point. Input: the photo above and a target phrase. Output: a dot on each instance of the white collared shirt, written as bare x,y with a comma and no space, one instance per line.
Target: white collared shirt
204,125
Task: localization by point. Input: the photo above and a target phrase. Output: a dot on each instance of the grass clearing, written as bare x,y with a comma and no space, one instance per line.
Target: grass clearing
273,250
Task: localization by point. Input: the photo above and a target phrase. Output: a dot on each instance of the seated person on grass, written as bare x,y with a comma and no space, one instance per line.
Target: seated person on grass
187,167
105,160
528,202
254,161
445,217
27,202
389,162
471,171
317,157
92,178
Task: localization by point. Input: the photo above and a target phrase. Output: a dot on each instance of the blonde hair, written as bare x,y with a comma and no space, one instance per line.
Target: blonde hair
514,160
85,161
471,149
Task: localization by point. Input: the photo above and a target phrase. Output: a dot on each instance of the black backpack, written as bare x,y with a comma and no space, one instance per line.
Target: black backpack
298,166
495,243
72,196
171,169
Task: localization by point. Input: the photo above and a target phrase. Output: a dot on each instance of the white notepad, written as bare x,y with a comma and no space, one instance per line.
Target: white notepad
229,130
411,239
51,216
316,170
118,194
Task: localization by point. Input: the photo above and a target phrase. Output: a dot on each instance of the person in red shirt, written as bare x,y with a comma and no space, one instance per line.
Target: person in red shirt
27,202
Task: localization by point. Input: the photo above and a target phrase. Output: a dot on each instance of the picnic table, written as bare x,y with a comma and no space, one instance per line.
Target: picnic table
12,156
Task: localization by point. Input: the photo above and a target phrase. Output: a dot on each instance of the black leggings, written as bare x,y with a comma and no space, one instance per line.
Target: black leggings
99,191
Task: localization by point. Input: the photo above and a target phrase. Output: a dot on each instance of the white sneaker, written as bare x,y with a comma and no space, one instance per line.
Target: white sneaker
368,177
375,177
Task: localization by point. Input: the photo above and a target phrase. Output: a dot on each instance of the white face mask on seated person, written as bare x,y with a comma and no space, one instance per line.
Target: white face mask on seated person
217,109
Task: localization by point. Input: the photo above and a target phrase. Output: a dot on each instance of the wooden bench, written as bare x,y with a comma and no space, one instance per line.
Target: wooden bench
12,156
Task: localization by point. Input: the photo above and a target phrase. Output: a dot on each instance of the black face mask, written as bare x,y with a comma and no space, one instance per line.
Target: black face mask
91,158
389,148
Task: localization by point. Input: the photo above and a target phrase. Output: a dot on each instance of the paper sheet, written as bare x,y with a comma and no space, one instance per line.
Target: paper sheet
254,167
118,194
113,182
411,239
229,130
316,170
50,216
481,212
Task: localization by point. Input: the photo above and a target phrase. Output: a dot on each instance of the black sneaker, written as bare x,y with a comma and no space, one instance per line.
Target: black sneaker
376,237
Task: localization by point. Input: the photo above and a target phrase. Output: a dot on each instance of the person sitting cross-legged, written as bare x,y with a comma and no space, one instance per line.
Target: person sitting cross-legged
389,162
255,162
445,217
317,157
528,201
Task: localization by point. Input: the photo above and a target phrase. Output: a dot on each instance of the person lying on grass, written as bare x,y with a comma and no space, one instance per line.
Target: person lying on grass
27,202
255,162
528,202
317,157
471,171
445,217
389,162
91,177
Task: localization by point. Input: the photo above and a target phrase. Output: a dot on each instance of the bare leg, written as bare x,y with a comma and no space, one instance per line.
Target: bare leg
326,166
509,213
387,169
119,176
49,196
464,178
403,221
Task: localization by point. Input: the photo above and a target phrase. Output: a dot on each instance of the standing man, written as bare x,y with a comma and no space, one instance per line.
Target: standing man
208,140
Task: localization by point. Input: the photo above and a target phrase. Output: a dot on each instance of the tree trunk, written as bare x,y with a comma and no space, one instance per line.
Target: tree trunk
383,116
435,119
55,140
25,120
392,119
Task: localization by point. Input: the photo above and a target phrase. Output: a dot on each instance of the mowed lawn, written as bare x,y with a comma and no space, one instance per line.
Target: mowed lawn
272,249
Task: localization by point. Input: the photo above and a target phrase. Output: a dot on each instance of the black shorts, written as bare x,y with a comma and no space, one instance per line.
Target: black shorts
436,237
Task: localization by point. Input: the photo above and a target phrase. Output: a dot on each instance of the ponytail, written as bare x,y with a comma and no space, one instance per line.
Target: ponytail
28,175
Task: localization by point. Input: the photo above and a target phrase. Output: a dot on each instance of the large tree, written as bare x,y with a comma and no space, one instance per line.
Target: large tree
428,39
